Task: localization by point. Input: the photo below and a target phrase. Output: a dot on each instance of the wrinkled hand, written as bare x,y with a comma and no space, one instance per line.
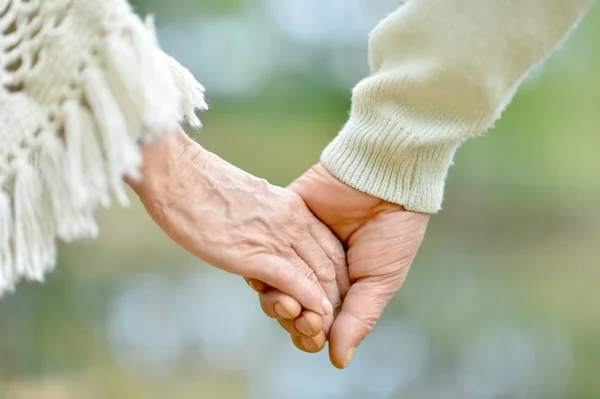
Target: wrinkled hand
382,240
240,223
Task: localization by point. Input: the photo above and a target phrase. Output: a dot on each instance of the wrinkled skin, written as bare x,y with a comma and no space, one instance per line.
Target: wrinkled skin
382,240
240,223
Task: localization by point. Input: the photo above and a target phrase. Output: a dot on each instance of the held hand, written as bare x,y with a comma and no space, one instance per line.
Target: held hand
240,223
382,240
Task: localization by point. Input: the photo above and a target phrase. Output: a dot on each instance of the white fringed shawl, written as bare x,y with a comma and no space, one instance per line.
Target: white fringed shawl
82,82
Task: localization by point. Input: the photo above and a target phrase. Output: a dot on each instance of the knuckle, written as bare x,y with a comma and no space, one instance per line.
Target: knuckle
300,222
310,275
338,255
367,322
295,213
325,271
288,212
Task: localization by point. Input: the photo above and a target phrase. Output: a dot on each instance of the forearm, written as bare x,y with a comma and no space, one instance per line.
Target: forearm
442,71
162,160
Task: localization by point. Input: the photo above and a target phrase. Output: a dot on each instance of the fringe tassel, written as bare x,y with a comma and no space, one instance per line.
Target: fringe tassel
161,99
84,156
191,90
33,240
136,92
7,274
124,77
64,185
121,152
53,167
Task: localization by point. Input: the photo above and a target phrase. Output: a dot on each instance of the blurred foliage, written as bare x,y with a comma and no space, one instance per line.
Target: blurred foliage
514,253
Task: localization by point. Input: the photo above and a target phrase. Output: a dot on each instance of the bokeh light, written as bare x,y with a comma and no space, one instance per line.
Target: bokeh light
501,303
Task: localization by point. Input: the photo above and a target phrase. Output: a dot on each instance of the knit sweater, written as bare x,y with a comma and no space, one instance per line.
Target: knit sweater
82,81
442,71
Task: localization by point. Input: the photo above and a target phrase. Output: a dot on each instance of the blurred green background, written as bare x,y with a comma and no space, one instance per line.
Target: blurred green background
502,302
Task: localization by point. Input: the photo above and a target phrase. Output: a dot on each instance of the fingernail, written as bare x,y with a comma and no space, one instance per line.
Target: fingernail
303,327
281,312
309,344
327,307
251,284
349,356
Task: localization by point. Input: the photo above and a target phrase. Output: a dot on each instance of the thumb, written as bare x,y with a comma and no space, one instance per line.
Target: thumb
361,310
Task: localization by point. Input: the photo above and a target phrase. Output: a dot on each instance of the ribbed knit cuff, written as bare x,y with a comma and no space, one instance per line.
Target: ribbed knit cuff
390,163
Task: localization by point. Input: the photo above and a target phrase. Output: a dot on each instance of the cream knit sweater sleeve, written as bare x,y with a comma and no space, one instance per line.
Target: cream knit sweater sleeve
442,71
82,81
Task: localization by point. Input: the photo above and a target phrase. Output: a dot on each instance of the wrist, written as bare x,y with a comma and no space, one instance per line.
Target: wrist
389,166
163,160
